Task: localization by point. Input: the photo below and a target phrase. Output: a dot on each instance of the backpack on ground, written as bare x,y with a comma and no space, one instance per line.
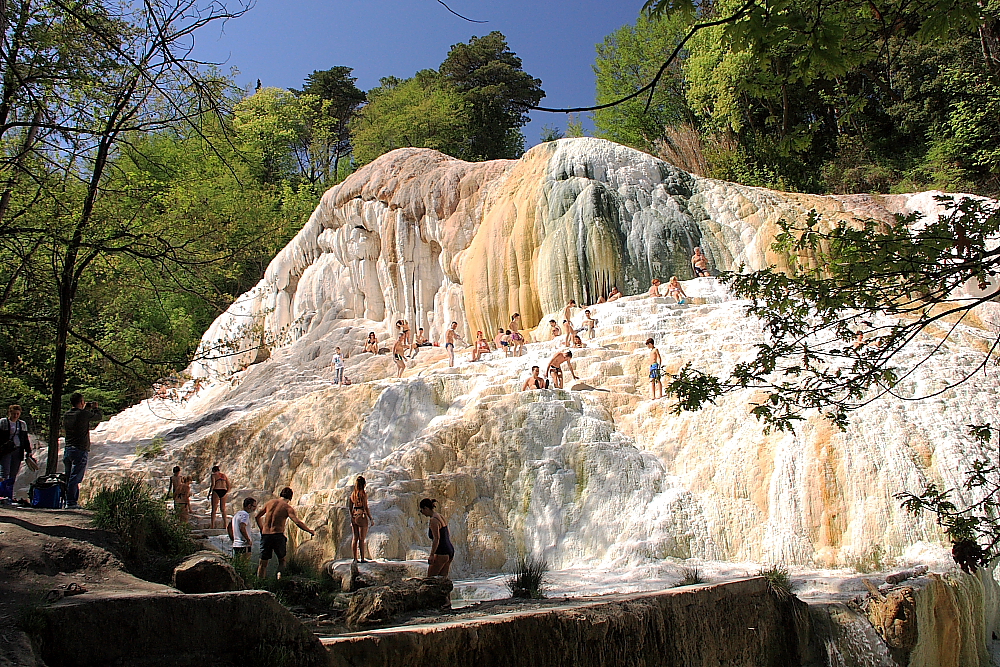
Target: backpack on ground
48,492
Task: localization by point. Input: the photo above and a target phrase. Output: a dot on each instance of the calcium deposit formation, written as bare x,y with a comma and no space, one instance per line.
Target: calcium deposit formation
598,476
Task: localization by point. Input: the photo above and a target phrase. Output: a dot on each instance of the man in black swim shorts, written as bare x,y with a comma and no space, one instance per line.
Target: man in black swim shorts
272,530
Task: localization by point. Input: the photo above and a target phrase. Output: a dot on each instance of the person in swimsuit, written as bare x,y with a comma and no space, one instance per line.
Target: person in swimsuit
498,343
554,369
700,264
554,330
272,530
421,339
675,290
516,339
398,350
371,345
615,294
442,550
577,341
589,324
654,288
180,490
534,382
482,346
654,368
217,489
505,342
568,321
361,518
450,336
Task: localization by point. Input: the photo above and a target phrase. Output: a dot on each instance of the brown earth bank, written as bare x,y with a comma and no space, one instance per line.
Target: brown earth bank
64,582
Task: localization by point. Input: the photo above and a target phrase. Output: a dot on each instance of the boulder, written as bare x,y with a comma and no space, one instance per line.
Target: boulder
382,603
354,576
895,618
206,572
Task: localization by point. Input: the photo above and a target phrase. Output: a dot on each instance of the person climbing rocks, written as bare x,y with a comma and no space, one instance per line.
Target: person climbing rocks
217,489
272,530
442,550
554,370
239,529
180,490
654,368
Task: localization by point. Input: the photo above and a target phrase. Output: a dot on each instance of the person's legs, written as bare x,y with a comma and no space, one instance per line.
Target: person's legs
76,465
356,529
338,376
451,355
5,465
438,565
222,502
446,568
363,533
400,366
262,568
215,508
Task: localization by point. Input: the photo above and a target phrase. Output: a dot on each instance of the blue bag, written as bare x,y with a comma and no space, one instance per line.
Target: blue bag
48,492
7,489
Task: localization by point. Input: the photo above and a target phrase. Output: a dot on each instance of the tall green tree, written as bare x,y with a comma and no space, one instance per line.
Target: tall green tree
337,101
424,111
498,93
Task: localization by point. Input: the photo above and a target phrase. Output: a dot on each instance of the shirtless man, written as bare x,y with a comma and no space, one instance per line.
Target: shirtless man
498,340
534,382
615,294
654,368
516,338
700,264
570,333
272,530
398,350
568,320
589,324
654,288
421,339
450,335
180,490
555,368
554,330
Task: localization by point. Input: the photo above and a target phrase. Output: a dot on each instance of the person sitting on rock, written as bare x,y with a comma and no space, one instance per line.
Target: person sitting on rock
481,347
614,296
654,288
534,382
272,530
421,339
577,341
498,340
554,330
676,290
371,345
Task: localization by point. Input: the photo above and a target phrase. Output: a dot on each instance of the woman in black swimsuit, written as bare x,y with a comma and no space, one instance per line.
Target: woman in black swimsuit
361,518
442,550
218,488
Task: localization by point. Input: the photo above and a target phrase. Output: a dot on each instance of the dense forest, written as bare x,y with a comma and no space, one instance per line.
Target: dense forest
141,190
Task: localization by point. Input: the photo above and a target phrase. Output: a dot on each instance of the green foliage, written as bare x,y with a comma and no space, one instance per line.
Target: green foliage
779,582
973,527
422,112
151,450
497,91
854,294
871,561
550,133
141,521
529,578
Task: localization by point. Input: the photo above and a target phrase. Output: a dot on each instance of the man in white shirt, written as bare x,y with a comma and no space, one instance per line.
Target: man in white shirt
239,528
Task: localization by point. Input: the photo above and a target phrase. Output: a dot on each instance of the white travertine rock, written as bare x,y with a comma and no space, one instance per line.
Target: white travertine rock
601,478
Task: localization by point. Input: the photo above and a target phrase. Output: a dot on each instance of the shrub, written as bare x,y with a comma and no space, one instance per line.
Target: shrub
152,450
871,561
778,580
529,578
142,522
690,576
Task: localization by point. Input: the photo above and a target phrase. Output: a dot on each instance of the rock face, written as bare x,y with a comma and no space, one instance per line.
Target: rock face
205,572
383,603
588,479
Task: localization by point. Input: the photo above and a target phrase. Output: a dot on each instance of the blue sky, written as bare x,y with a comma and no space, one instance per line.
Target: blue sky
282,41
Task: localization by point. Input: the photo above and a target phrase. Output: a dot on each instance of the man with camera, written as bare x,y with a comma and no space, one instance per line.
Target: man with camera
76,424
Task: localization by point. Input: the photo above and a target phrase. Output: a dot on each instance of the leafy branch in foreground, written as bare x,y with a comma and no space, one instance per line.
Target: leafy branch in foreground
975,525
839,320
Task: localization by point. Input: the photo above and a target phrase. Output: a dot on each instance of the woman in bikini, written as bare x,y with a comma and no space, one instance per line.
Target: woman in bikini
482,346
371,345
217,489
516,339
675,290
442,550
361,518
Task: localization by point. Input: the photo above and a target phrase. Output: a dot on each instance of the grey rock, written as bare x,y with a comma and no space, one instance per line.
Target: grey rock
382,603
205,572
